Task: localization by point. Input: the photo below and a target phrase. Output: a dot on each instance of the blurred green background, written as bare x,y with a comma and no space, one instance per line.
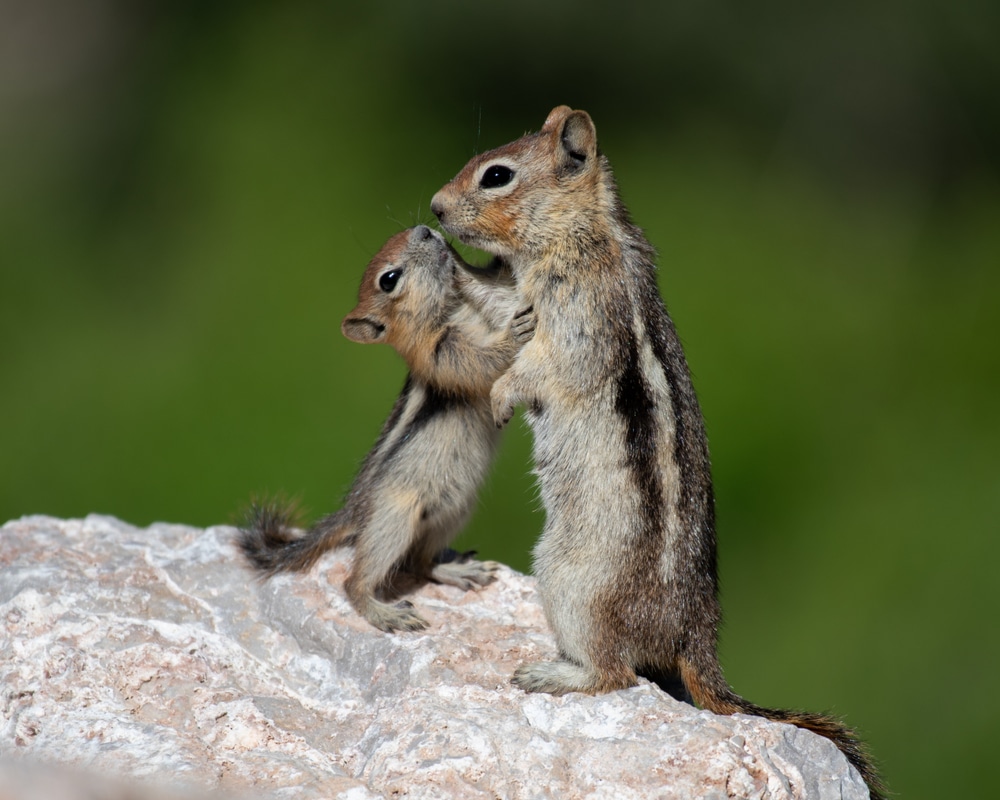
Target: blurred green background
189,193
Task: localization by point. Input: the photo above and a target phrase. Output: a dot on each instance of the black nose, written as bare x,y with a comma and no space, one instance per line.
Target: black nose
437,209
422,232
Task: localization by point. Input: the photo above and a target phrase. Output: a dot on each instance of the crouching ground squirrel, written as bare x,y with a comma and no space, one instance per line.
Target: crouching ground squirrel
458,328
626,563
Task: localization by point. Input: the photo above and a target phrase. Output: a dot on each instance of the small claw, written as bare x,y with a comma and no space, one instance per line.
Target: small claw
502,416
466,574
408,625
398,617
522,327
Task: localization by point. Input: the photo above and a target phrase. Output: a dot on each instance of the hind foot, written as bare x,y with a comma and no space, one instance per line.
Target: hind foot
463,571
563,677
399,617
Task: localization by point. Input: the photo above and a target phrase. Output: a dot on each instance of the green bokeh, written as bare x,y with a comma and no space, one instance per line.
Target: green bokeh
188,204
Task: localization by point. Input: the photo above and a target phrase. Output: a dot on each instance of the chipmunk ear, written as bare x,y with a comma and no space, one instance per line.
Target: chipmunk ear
555,118
364,330
578,138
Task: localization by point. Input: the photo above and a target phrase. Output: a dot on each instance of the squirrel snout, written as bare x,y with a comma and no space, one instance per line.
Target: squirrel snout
422,233
437,206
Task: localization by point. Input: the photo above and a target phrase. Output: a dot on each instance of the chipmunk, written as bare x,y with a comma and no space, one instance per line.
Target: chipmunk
458,328
626,563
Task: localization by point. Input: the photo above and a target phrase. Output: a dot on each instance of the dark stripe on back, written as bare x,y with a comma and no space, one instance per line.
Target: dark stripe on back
696,501
395,414
690,450
375,455
631,607
682,454
435,402
634,403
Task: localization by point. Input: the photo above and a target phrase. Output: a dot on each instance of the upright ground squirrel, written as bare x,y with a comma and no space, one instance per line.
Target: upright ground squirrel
626,564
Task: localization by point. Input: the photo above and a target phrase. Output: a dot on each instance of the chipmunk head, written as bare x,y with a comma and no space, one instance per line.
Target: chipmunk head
525,194
407,286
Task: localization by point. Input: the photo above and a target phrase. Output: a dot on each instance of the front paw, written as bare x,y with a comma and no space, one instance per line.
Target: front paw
522,326
502,402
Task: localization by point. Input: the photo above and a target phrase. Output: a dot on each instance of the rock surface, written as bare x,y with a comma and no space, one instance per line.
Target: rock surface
153,654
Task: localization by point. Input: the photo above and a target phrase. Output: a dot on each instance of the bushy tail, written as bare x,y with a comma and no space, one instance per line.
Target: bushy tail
268,541
709,689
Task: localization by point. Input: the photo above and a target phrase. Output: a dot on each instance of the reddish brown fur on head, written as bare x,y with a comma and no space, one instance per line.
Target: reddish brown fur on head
520,196
367,322
407,288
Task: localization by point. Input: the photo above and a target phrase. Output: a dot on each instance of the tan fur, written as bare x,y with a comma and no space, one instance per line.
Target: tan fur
626,564
457,328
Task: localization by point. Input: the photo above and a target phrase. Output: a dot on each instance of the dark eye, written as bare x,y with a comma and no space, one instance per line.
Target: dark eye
497,175
387,280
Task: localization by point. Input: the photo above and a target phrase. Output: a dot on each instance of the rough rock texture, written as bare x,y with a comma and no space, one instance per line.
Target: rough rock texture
153,654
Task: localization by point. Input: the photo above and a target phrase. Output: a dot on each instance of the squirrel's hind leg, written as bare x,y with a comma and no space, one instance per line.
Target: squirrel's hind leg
564,676
462,570
380,552
391,618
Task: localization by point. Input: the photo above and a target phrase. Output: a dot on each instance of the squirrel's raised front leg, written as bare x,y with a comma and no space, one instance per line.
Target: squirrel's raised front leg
508,392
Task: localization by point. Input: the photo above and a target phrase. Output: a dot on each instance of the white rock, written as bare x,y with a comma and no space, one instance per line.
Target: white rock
154,654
